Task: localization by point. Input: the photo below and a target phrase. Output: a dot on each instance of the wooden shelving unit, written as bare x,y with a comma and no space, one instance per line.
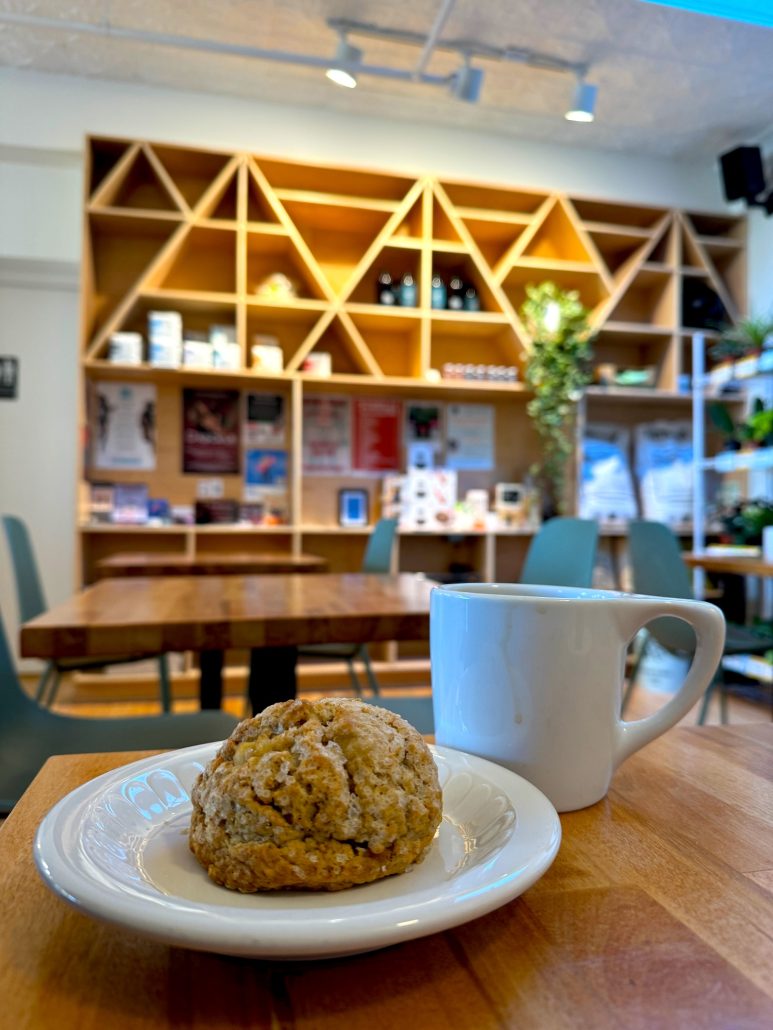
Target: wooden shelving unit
196,231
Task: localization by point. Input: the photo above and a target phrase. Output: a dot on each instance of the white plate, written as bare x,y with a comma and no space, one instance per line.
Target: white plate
117,849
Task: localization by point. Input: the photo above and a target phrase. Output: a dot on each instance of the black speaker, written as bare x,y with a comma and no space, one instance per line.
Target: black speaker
742,174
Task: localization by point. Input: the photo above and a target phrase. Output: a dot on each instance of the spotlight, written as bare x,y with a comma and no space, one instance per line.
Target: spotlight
466,83
344,64
583,103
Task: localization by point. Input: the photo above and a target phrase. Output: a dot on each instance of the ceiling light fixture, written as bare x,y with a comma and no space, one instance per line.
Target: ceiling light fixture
467,83
583,102
347,59
348,64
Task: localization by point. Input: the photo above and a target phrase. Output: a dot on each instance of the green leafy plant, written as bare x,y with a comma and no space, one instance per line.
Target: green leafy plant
759,425
558,369
747,336
756,428
744,521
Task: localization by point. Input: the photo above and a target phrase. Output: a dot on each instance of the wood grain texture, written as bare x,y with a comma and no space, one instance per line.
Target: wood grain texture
146,563
729,563
658,912
194,613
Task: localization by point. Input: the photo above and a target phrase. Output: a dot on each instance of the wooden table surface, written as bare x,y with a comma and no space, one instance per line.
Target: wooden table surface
658,912
195,613
133,563
735,564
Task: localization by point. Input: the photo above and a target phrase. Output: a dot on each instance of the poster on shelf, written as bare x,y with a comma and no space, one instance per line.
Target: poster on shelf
123,425
470,436
263,468
423,423
606,484
376,434
326,435
211,431
264,420
664,469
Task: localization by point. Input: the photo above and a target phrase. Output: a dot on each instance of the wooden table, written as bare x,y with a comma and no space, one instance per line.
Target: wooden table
132,563
737,565
270,615
658,912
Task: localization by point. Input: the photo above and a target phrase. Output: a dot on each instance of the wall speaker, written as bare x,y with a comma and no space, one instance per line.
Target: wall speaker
742,174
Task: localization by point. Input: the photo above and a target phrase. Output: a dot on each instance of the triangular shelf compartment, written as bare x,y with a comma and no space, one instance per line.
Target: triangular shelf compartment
393,337
455,263
556,237
139,187
192,171
205,261
287,326
273,261
337,234
495,233
258,208
461,338
411,226
121,248
717,242
443,228
649,300
568,275
395,259
346,356
221,201
104,155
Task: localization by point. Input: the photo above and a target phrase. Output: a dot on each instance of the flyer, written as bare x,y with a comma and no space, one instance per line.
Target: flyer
326,434
211,431
123,425
376,434
263,468
264,420
470,436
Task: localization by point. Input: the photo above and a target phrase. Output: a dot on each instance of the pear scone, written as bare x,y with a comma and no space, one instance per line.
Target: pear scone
315,795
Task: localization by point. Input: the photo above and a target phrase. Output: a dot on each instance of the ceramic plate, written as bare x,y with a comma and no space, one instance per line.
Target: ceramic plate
117,849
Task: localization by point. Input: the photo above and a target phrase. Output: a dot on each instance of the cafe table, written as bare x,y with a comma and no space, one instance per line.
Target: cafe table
730,564
657,912
268,615
167,563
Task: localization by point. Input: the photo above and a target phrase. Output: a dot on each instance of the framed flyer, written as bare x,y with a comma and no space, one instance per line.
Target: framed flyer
123,425
327,435
352,507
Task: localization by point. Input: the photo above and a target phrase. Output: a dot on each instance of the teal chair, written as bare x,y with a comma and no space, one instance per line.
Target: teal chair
562,553
377,558
31,602
29,734
657,569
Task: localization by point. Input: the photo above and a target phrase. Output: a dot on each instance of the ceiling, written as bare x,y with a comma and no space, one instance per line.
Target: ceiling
671,83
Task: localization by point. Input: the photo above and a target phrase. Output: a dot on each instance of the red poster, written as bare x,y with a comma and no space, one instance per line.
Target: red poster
211,431
376,425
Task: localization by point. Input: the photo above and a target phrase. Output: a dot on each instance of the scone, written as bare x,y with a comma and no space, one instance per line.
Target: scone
315,795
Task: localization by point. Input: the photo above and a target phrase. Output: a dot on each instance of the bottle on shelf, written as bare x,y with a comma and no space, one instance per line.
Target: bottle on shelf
471,299
385,289
455,294
438,295
407,292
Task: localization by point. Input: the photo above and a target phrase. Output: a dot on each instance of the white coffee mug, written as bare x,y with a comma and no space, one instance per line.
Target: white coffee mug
531,677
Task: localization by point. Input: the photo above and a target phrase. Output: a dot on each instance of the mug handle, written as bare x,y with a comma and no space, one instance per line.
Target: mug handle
708,622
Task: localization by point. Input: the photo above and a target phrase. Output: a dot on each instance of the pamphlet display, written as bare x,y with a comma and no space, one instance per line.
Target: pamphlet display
664,470
130,504
326,434
263,468
470,436
211,431
606,484
123,425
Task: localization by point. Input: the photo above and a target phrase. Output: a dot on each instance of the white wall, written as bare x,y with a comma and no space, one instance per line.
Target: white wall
41,137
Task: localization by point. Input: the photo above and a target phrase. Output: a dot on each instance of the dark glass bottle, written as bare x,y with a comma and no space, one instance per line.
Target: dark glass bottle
438,295
407,292
471,299
385,290
456,294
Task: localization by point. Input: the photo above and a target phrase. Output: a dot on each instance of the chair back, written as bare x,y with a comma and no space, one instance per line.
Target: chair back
29,589
657,569
14,702
378,553
562,554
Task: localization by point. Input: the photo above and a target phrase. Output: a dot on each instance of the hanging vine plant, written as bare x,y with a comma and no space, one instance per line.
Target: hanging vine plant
558,369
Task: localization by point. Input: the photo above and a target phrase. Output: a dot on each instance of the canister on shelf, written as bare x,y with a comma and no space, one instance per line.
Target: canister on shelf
125,348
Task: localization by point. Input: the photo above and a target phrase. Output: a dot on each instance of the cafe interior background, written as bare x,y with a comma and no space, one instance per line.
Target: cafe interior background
674,89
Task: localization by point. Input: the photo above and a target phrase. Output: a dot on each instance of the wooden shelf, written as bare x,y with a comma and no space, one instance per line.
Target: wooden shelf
177,228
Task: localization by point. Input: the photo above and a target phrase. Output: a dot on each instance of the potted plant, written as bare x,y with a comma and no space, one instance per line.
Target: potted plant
759,425
558,369
744,521
745,339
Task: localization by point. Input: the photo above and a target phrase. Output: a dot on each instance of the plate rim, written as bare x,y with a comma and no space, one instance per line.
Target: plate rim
225,931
